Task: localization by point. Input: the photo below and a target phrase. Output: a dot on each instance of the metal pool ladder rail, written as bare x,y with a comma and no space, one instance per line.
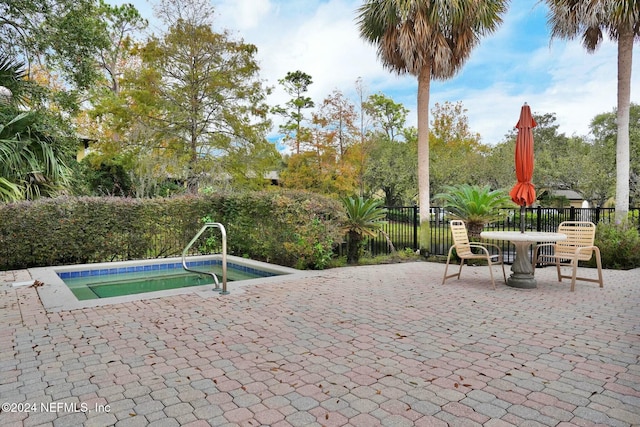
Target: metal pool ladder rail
223,291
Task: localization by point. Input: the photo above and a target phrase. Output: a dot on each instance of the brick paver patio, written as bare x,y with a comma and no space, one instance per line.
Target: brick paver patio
364,346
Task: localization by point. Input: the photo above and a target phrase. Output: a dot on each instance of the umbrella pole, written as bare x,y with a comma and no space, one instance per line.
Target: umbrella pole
522,219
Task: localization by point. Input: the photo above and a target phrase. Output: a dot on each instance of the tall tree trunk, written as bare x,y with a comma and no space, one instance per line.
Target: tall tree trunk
424,81
625,55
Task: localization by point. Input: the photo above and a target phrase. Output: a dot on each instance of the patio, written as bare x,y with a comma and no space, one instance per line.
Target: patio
362,346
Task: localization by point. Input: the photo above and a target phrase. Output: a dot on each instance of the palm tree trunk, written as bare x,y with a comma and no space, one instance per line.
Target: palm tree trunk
354,247
474,230
424,81
625,55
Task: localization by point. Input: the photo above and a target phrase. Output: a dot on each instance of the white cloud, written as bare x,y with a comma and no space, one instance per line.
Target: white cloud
242,15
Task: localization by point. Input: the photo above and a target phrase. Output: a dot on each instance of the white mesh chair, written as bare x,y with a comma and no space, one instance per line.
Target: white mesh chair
579,246
464,250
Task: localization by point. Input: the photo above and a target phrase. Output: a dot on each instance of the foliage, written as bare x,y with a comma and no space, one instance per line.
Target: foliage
456,154
211,243
336,117
577,163
388,116
392,152
619,245
331,162
392,169
33,156
296,229
475,205
108,178
316,253
196,108
600,181
13,76
63,34
364,218
36,147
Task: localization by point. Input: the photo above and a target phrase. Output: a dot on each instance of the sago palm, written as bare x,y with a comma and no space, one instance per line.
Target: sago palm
364,219
474,205
620,20
427,39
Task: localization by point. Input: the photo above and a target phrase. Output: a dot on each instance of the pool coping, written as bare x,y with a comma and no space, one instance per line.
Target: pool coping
55,295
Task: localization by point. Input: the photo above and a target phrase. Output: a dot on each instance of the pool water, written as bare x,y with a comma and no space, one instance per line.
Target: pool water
93,284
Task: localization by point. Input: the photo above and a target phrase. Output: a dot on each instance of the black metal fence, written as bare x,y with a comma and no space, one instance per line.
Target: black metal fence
402,226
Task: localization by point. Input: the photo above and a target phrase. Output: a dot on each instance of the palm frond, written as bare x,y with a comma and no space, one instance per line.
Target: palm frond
13,76
364,216
472,203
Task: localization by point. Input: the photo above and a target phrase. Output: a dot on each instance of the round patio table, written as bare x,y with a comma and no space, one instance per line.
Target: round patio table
522,269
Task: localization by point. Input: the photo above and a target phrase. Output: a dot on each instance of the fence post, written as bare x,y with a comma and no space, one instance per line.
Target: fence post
415,228
539,219
572,213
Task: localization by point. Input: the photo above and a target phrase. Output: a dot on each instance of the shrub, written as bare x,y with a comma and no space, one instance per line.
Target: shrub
364,218
619,245
475,205
295,229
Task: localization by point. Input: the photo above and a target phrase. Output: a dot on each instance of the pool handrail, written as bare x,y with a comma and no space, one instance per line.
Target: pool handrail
224,256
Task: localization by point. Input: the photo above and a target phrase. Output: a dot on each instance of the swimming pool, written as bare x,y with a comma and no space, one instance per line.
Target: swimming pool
91,285
130,280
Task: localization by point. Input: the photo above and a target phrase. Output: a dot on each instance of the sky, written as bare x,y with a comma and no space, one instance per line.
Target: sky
516,64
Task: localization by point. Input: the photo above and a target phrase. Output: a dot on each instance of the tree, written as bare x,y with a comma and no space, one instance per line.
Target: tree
122,22
620,19
388,116
99,123
199,98
296,84
392,168
62,35
332,160
427,39
338,117
602,153
393,152
455,151
560,161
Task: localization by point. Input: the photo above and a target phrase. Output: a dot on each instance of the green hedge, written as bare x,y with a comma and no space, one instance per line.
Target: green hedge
619,245
295,229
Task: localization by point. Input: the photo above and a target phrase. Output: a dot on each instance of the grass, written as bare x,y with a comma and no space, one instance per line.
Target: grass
395,258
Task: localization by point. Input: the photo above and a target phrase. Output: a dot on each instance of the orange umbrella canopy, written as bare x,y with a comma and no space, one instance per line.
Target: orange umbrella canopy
524,193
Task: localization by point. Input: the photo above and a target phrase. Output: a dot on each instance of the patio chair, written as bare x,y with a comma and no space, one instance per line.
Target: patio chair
464,250
578,247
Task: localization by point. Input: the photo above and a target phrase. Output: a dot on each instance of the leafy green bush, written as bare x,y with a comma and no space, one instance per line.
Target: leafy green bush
296,229
619,245
364,219
475,205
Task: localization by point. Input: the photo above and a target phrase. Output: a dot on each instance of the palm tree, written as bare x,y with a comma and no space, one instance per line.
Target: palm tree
427,39
364,218
31,159
474,205
590,20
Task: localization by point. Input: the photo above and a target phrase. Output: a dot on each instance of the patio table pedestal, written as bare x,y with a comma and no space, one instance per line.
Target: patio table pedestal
522,270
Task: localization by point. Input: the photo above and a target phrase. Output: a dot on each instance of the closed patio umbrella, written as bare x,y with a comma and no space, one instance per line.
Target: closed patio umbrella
524,192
